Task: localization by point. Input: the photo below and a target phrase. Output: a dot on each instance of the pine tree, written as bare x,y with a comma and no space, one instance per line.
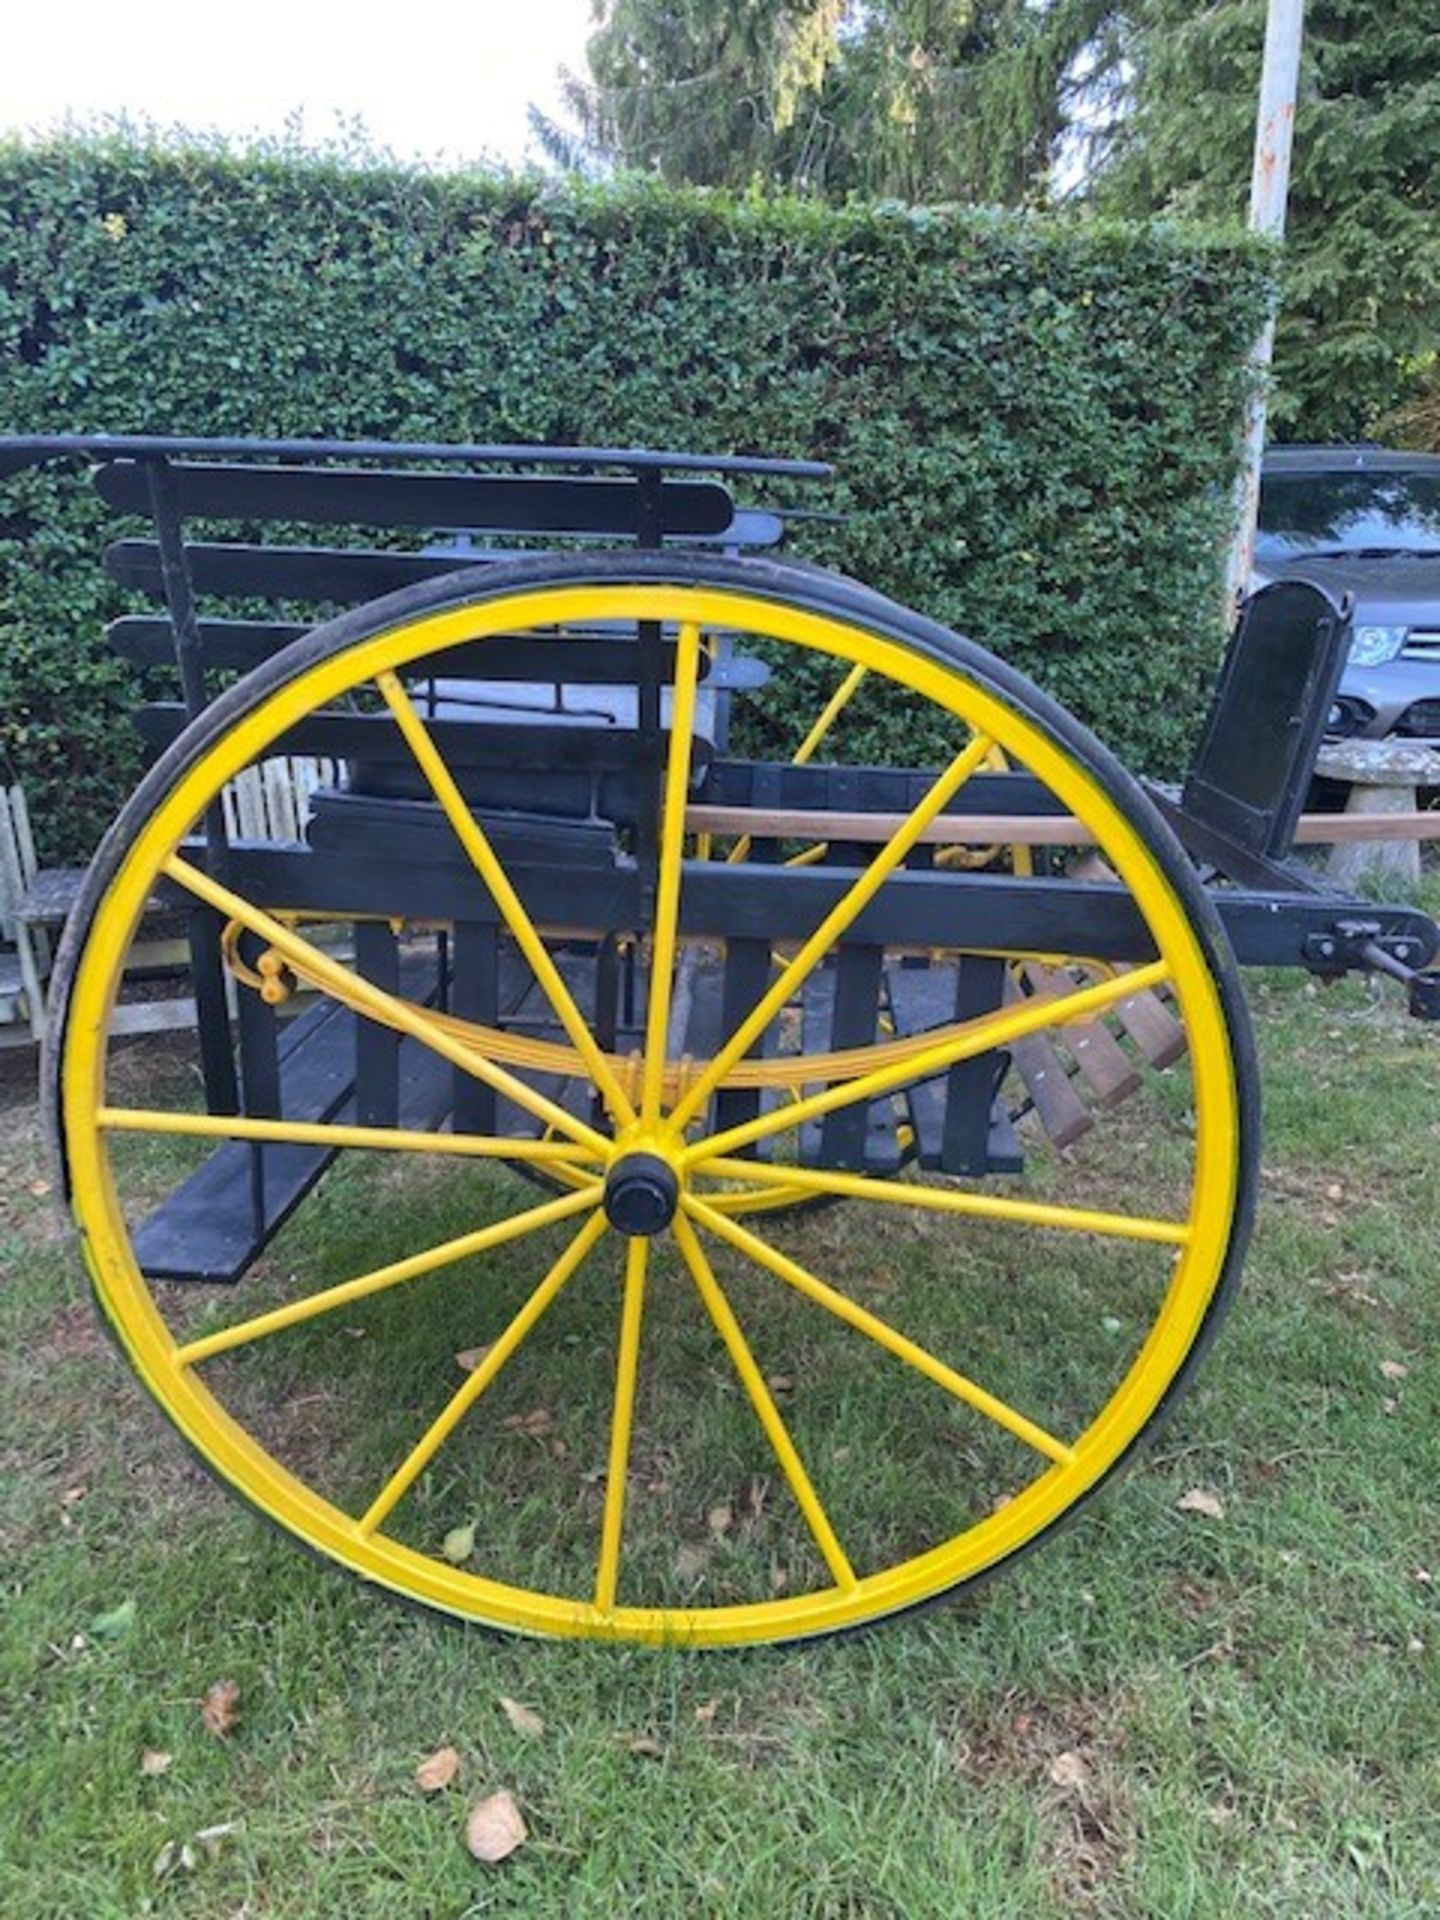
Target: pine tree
915,100
1360,318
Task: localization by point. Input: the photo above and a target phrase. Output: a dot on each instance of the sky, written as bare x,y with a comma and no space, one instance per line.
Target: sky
450,81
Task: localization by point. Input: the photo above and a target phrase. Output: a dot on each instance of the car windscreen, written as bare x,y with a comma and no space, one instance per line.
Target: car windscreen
1345,512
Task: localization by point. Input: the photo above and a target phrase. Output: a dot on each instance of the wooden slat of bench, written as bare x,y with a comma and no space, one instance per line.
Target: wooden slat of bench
1058,1107
1144,1016
1107,1068
1018,829
341,496
1153,1027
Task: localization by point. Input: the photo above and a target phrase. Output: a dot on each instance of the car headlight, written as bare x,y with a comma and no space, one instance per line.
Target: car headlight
1373,646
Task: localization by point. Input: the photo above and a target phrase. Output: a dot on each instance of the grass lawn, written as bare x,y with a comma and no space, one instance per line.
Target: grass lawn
1161,1713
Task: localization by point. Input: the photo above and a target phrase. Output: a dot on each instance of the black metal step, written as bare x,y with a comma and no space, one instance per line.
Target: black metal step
216,1221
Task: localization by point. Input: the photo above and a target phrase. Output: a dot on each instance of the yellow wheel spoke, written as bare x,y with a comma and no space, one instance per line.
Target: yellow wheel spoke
461,1402
851,903
362,996
308,1133
983,1206
443,1255
627,1368
794,1275
483,857
762,1400
964,1042
667,890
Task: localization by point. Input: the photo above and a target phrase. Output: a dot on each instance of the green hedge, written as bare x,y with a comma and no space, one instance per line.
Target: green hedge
1034,420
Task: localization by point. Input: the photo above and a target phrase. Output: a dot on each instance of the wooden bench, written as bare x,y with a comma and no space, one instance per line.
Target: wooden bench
1383,777
268,803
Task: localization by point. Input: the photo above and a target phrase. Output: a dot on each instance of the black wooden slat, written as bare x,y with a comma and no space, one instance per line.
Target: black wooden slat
147,642
512,503
856,1006
970,1087
475,994
243,644
784,789
747,975
343,575
744,902
377,1048
375,740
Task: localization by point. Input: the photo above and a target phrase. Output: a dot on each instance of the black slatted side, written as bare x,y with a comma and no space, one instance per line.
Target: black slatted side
505,504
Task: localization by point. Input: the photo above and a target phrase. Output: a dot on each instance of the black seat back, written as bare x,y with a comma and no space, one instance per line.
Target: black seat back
1276,688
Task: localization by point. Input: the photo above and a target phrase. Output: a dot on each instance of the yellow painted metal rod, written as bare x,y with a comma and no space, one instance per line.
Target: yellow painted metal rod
981,1206
399,1271
387,1009
796,1276
763,1401
972,1037
315,1133
461,1402
627,1369
487,864
850,904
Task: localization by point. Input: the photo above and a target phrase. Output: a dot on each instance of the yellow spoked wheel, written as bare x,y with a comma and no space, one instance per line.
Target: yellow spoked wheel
647,1405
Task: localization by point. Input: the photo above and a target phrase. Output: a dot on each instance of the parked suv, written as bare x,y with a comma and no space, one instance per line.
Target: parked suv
1365,521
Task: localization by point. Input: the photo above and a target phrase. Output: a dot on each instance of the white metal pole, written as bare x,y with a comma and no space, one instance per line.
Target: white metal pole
1269,190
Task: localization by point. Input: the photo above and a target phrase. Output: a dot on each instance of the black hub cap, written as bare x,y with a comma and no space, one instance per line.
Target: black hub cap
641,1194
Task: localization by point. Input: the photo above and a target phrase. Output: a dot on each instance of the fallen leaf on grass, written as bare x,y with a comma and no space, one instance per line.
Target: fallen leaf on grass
646,1745
538,1420
780,1382
523,1719
1069,1770
220,1708
458,1544
210,1837
1201,1500
39,1188
71,1496
1394,1369
469,1358
719,1520
172,1855
495,1829
438,1771
707,1711
154,1762
691,1561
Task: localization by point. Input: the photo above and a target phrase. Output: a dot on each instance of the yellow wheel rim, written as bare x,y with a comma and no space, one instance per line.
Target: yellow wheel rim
852,1591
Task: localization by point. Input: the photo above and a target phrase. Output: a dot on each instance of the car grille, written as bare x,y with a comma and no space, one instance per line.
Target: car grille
1423,644
1420,721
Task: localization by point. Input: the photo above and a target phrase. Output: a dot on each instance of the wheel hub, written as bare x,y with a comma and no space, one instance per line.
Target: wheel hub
641,1194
